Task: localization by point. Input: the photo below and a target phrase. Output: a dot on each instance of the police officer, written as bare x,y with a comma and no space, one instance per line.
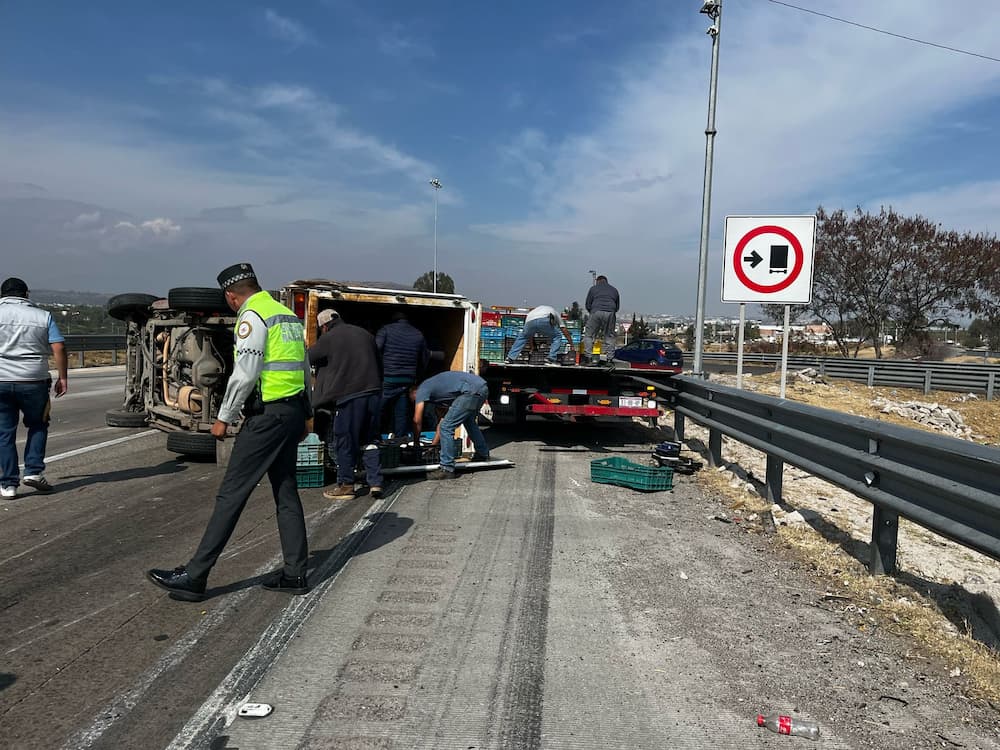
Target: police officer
271,381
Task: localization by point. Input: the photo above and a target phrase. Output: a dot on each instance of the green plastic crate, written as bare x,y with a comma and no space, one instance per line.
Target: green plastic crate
309,476
625,473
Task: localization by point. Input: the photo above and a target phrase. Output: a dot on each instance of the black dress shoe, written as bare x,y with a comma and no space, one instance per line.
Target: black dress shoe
180,585
280,582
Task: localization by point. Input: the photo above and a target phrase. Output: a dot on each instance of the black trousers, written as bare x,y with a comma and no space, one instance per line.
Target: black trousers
267,443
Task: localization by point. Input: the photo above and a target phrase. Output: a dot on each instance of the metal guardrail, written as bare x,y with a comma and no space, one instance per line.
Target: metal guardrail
965,377
944,484
80,343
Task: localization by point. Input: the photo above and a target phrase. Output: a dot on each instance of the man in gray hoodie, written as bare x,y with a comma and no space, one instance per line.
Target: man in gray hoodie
602,305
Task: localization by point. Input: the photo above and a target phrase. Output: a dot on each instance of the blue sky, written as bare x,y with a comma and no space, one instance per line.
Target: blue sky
147,145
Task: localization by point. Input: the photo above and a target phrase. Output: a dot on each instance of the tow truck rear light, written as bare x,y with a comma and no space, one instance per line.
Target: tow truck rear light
299,305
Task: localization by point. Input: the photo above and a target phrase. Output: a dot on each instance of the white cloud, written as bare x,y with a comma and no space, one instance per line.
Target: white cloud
972,207
86,220
396,42
287,30
806,107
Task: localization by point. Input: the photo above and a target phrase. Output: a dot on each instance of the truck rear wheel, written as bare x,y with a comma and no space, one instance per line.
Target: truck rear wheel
197,299
130,306
199,444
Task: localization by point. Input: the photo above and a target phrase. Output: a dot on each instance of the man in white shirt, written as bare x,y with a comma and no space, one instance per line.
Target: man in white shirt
541,321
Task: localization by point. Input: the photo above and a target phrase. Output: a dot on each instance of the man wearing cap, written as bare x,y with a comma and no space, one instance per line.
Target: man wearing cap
27,334
349,385
270,383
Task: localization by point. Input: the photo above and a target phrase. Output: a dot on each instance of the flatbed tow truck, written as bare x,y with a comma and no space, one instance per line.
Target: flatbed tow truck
575,393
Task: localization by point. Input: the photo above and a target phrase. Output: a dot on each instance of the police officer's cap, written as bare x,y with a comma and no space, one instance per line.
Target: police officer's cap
236,273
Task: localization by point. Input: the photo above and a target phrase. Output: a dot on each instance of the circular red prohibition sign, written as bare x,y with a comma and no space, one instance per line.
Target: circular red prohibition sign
784,283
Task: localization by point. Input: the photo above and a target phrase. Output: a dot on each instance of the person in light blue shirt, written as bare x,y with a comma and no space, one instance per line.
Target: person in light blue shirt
460,395
27,335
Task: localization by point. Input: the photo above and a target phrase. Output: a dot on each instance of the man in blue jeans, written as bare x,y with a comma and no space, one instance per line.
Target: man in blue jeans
463,395
541,321
27,335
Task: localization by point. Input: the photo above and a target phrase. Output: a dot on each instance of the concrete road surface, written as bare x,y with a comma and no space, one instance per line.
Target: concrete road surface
519,608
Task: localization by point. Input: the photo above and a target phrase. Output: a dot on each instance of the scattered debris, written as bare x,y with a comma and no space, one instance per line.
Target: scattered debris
934,415
810,375
894,698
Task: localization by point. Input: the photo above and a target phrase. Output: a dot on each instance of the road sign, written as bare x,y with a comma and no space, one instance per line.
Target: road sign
626,326
769,259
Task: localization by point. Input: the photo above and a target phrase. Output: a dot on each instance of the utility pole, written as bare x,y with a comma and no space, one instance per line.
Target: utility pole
436,184
713,9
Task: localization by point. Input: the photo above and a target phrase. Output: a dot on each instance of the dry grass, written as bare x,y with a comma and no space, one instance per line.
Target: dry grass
856,398
880,601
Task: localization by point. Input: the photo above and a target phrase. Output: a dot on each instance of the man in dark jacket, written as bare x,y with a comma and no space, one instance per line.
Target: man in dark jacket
348,383
602,304
404,357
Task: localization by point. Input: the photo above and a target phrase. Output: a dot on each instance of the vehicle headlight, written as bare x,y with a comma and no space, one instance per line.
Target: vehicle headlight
505,400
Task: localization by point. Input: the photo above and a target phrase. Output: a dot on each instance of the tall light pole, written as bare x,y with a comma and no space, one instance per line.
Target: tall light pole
436,184
713,9
593,276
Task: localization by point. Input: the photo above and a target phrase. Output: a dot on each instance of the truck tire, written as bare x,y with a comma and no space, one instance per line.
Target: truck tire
197,299
200,444
130,306
122,418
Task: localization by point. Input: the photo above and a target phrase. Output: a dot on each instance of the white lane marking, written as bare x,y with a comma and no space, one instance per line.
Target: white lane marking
225,701
98,446
69,624
172,657
49,541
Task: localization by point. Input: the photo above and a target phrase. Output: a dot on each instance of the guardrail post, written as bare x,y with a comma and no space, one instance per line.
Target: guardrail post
678,426
81,358
989,386
885,533
114,356
772,480
927,382
822,367
871,376
714,447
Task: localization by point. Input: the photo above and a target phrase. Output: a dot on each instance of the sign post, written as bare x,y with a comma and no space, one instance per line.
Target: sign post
625,327
768,259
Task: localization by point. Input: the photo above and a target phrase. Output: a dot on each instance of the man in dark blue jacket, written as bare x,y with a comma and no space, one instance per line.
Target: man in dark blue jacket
602,304
404,354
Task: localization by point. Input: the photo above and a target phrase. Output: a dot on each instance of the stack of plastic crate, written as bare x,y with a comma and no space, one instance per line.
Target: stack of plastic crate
491,344
511,326
309,462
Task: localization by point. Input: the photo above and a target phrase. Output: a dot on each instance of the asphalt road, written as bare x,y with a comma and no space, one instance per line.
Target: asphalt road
515,609
93,655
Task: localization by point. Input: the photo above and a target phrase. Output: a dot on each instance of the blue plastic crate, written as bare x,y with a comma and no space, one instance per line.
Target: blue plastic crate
491,333
310,451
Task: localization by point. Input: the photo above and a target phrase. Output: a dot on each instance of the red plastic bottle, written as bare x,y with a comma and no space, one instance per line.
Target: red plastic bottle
782,724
